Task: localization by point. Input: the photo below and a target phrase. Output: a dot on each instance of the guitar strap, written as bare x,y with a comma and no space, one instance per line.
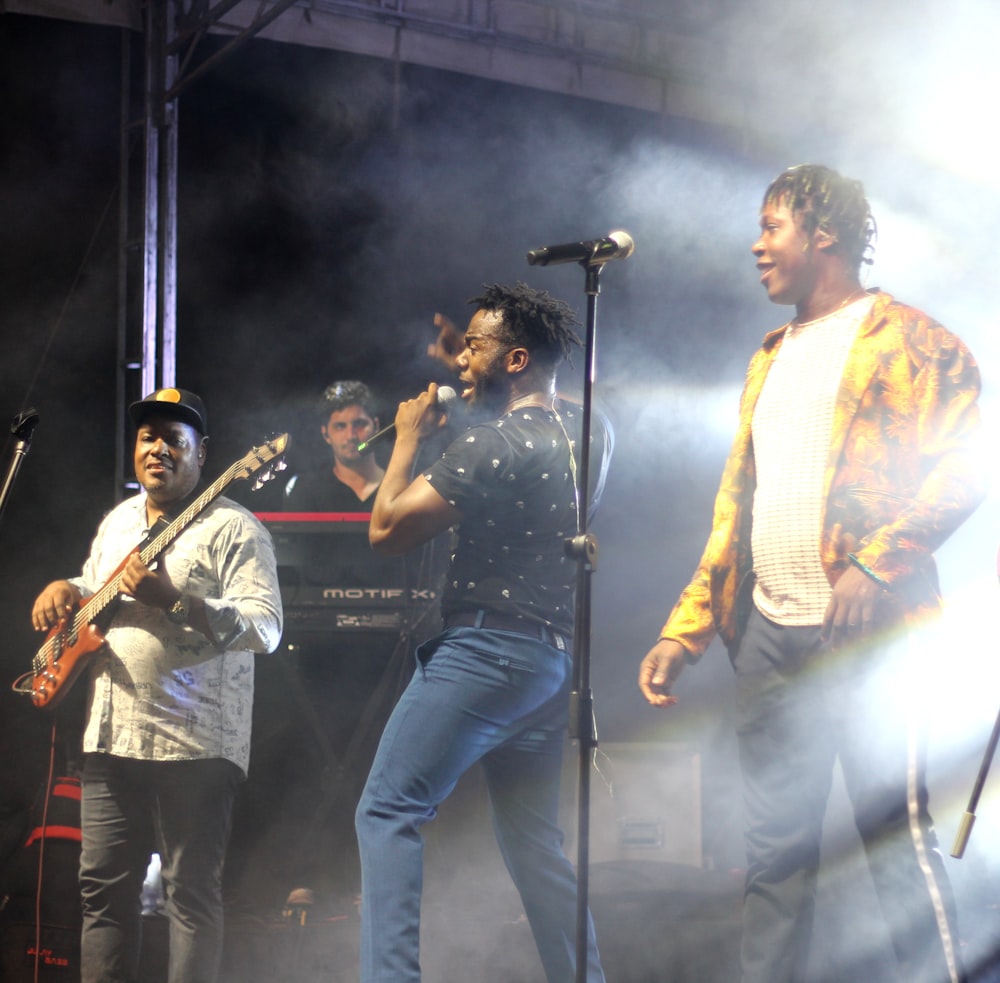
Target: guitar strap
175,510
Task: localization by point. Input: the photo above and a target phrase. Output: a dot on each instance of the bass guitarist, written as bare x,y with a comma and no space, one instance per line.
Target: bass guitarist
168,713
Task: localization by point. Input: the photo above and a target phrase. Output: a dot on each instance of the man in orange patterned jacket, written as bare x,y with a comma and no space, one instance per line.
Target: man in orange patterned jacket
852,463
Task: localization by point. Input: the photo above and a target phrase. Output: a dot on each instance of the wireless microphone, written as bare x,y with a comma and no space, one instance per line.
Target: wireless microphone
445,396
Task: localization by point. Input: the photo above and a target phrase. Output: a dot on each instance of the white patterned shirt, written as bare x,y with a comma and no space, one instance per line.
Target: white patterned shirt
791,429
164,692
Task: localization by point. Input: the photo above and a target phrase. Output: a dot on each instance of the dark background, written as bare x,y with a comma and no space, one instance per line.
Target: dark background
319,232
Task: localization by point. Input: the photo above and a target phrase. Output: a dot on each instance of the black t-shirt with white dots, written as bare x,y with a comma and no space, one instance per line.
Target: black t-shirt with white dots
513,482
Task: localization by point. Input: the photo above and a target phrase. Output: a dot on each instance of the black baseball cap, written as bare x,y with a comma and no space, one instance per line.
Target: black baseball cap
181,404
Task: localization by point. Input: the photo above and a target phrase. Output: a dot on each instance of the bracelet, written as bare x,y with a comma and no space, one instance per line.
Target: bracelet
868,572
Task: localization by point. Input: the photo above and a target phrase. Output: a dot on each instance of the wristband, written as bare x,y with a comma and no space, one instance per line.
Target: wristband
868,572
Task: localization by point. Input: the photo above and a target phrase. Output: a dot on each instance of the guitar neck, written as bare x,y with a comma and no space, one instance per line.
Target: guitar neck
151,550
99,602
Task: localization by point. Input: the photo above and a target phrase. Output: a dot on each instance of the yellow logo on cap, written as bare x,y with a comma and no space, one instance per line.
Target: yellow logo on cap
168,396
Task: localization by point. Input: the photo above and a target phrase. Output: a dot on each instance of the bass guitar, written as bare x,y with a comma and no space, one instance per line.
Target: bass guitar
78,636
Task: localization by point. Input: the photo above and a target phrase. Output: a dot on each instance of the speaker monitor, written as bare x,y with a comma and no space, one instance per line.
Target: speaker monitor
645,803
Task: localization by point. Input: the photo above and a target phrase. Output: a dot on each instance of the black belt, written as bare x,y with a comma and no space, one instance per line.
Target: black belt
507,622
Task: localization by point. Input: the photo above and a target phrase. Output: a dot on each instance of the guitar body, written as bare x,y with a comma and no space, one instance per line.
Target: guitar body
65,654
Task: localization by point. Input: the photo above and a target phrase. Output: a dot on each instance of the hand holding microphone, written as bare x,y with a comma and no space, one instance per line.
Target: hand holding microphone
425,414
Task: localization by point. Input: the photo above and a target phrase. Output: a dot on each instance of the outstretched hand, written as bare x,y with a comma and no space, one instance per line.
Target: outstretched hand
448,344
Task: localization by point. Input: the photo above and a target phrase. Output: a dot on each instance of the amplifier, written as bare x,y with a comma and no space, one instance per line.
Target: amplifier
645,802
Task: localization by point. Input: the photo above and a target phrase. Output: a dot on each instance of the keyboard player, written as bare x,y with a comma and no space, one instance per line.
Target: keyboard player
347,417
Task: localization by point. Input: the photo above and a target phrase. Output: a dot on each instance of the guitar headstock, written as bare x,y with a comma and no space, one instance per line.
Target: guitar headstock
265,460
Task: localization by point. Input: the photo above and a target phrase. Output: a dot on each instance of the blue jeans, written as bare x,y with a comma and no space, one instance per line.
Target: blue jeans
130,809
495,697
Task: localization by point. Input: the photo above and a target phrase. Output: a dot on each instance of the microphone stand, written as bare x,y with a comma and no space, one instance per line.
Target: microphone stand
22,427
969,816
583,548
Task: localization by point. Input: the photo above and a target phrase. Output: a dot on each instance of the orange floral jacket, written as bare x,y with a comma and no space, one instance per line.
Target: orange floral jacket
902,473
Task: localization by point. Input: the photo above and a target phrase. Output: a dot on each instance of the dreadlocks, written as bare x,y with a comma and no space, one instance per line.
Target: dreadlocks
533,319
823,199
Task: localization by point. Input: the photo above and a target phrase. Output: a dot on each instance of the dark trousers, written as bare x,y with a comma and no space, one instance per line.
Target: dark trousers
800,707
130,809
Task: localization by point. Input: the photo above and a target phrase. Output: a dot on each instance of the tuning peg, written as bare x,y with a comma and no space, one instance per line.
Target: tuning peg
281,464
